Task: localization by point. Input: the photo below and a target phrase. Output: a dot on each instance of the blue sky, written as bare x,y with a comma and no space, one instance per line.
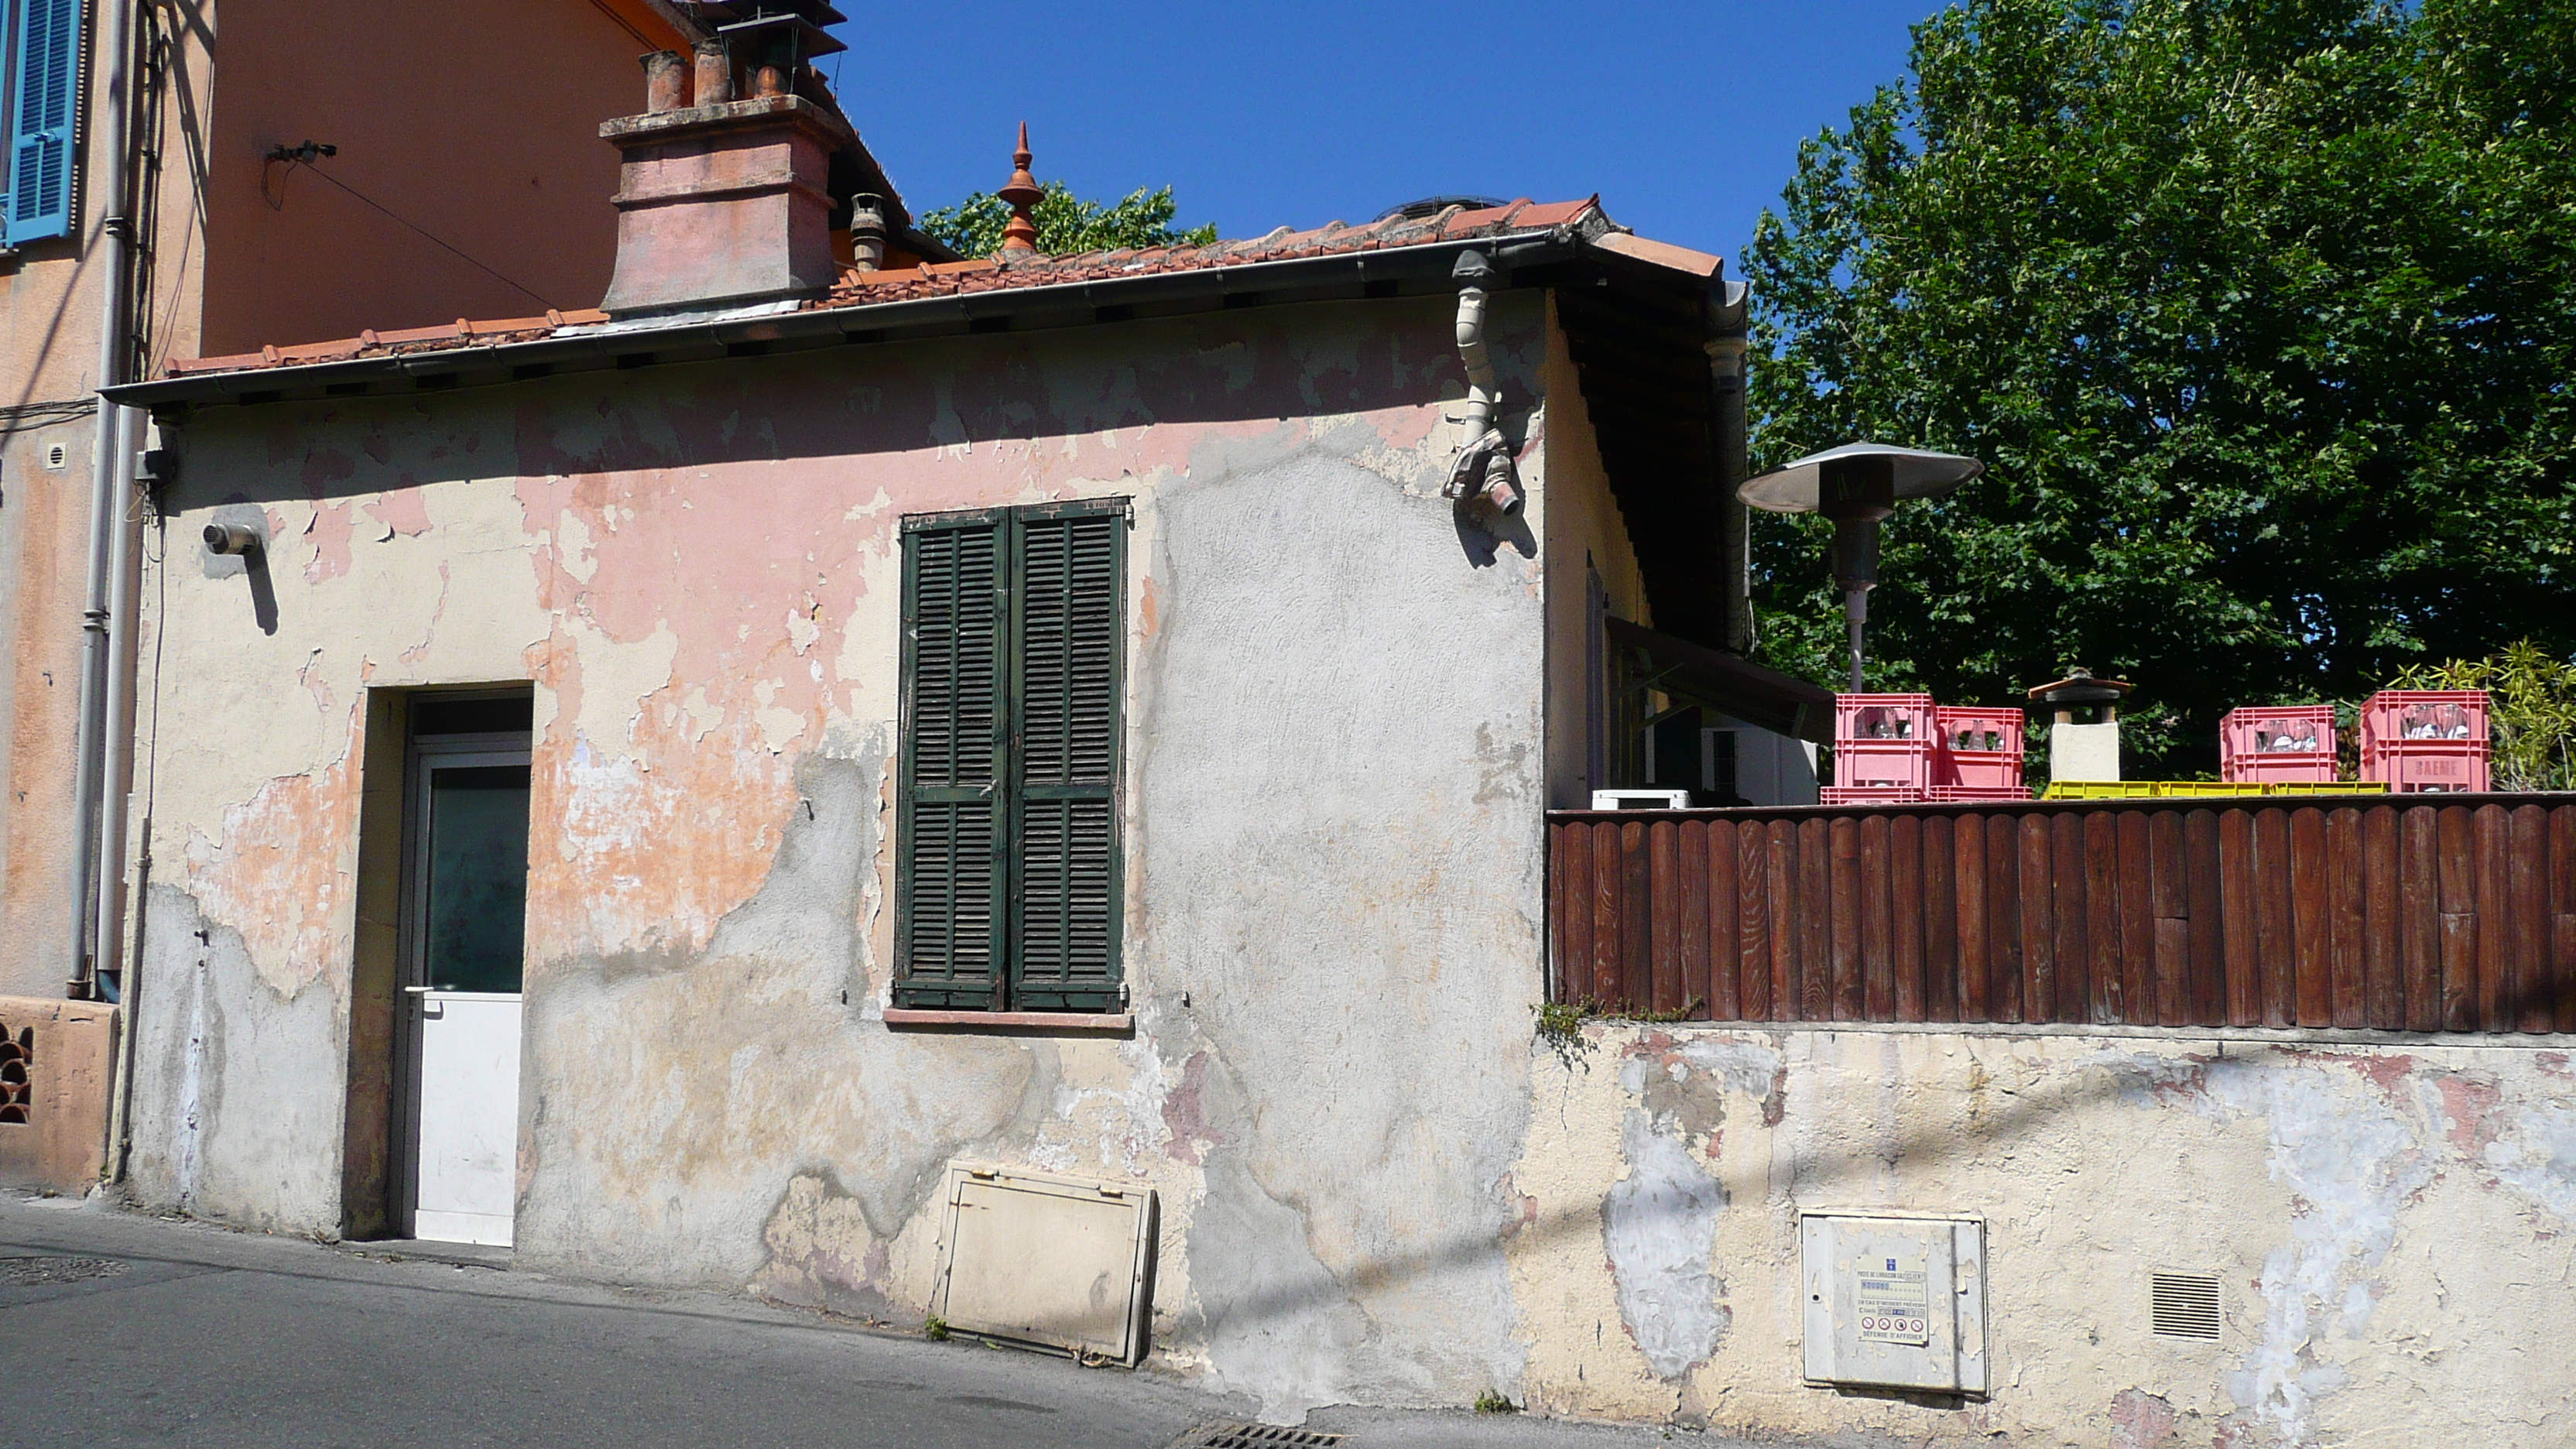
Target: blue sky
1686,118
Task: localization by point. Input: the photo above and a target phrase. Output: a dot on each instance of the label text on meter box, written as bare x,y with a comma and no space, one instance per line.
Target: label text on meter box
1893,1299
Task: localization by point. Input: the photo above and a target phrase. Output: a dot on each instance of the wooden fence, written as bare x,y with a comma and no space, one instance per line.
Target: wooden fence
2396,914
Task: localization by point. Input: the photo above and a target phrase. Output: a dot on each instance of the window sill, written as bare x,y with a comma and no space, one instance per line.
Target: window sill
1078,1023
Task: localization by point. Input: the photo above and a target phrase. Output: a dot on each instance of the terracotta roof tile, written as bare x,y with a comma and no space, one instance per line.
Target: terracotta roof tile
935,279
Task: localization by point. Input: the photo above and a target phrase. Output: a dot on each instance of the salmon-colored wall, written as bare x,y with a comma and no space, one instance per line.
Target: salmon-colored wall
477,121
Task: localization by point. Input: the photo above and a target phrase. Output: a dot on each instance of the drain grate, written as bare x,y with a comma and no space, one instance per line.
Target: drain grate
33,1272
1217,1434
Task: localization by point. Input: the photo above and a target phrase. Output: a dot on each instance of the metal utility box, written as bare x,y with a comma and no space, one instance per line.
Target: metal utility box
1042,1259
1895,1301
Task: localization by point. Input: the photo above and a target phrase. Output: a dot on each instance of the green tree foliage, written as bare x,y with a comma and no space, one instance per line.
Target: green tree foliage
1067,223
2263,313
2532,715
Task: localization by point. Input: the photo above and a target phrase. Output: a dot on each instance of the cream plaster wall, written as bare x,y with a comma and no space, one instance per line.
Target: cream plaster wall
2391,1227
1584,530
1334,849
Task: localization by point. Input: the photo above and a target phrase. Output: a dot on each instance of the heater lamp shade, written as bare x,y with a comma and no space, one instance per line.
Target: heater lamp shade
1873,476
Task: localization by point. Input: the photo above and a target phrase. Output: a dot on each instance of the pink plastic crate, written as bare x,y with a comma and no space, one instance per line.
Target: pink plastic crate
2294,742
1979,748
1880,718
2424,716
1954,793
1903,764
1841,795
2426,741
2428,767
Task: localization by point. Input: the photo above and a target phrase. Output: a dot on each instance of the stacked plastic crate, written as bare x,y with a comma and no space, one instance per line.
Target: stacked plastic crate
2426,741
1883,748
1979,754
2260,746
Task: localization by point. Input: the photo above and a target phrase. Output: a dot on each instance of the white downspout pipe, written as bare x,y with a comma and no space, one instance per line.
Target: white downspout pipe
111,461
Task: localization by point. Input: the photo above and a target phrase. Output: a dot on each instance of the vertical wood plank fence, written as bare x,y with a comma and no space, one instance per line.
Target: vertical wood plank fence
2372,913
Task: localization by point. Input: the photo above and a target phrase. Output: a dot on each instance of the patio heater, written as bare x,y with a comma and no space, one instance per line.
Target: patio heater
1857,485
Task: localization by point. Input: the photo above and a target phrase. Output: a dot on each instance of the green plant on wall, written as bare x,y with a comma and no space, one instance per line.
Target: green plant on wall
2533,711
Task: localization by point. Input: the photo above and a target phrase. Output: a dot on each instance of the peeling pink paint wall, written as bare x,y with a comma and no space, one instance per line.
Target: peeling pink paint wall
1334,721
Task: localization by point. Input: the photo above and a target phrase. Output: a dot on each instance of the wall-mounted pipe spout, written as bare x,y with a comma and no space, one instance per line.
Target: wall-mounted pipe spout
1482,477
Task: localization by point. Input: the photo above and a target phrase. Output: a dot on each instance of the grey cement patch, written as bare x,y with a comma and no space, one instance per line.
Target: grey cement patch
1659,1227
683,1122
1364,981
237,1103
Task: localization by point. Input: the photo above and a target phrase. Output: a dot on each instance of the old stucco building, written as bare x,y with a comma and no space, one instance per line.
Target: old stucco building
1100,716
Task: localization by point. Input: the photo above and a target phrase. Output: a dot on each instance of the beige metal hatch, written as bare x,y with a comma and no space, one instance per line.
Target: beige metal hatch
1048,1260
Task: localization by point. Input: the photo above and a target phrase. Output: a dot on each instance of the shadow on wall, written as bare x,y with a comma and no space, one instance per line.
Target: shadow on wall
882,399
2017,1115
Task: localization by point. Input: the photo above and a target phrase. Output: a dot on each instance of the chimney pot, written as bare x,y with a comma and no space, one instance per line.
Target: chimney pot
666,82
769,80
715,73
867,231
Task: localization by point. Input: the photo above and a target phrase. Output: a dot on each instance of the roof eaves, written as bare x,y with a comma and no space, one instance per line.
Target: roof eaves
961,293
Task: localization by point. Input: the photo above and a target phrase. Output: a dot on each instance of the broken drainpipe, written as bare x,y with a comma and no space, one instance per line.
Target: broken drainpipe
1482,478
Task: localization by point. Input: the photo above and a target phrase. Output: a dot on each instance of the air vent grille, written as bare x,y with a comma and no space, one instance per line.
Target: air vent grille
2186,1305
1218,1435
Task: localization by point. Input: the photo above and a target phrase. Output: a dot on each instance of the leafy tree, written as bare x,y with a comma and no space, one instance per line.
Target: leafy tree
2262,312
1067,223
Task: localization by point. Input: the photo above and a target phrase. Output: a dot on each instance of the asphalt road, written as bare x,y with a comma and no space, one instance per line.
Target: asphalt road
119,1329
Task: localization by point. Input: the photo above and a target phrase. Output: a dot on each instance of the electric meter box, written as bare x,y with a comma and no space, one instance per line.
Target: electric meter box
1895,1301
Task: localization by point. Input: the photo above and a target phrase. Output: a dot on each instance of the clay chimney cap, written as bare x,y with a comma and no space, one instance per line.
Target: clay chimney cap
2080,687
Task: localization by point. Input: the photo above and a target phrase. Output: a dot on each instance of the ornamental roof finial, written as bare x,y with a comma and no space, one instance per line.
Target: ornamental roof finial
1021,233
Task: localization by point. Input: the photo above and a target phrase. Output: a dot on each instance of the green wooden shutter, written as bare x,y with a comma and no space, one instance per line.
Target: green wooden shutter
47,59
951,825
1070,601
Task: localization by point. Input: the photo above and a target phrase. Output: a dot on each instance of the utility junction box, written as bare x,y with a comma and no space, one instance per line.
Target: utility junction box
1895,1301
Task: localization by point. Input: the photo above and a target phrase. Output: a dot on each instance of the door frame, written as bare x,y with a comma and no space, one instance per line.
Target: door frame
422,757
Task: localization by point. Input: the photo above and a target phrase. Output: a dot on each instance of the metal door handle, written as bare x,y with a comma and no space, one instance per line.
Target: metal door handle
425,990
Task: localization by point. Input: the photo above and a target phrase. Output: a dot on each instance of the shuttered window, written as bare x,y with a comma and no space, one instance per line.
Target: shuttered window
43,89
1007,866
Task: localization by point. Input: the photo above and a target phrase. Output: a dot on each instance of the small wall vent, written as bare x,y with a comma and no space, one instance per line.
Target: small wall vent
2185,1305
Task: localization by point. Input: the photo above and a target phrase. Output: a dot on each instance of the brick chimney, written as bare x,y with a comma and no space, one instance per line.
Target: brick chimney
724,203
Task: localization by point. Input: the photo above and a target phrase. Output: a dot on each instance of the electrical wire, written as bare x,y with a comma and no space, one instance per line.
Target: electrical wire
424,232
28,417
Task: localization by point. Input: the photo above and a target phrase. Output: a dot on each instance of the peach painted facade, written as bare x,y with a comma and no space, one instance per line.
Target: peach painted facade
476,122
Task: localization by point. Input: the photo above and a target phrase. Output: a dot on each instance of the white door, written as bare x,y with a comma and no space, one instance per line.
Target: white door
466,931
469,1116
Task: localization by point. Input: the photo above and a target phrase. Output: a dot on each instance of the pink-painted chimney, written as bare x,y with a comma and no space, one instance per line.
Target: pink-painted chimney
723,204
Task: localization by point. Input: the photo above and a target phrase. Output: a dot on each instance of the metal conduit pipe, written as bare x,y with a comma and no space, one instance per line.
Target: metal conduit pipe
110,461
116,761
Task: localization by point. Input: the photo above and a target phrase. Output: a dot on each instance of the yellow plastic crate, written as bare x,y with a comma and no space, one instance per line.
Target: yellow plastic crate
2236,789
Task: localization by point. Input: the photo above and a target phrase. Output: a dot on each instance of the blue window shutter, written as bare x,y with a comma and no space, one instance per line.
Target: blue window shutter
48,90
